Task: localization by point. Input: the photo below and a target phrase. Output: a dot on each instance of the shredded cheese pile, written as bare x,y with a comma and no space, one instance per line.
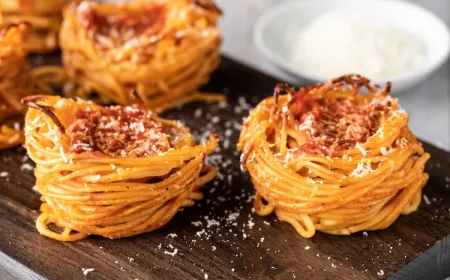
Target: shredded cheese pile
347,42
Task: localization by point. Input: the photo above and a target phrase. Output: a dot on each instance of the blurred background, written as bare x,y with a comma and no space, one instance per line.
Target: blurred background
428,103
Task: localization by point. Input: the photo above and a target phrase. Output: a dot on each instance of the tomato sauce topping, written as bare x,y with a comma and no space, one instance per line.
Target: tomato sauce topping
119,28
333,126
118,132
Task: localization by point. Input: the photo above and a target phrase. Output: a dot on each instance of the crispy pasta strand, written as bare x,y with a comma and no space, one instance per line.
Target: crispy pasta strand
95,191
45,17
155,52
15,82
328,158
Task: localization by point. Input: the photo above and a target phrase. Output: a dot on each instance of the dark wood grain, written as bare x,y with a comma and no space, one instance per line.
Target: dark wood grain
234,249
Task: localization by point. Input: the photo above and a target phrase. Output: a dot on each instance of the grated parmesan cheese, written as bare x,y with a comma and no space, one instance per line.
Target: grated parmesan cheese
199,233
232,217
26,167
63,155
361,170
87,270
361,44
212,222
361,149
215,119
171,253
427,200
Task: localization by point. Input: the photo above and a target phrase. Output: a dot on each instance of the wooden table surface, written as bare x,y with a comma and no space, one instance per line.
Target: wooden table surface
429,105
219,238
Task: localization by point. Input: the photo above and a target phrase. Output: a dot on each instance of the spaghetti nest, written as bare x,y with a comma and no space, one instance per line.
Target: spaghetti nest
158,52
45,18
16,82
328,158
110,171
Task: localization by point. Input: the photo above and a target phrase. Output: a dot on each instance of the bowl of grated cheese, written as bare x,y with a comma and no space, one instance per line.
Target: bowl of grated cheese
387,40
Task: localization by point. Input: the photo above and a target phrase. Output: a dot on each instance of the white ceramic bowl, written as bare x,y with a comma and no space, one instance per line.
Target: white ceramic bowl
274,34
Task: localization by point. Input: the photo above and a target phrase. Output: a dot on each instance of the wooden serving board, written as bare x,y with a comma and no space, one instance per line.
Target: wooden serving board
220,237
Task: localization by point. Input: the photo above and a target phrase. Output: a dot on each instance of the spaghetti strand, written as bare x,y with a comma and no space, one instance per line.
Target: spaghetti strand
328,158
44,17
153,52
15,83
110,171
